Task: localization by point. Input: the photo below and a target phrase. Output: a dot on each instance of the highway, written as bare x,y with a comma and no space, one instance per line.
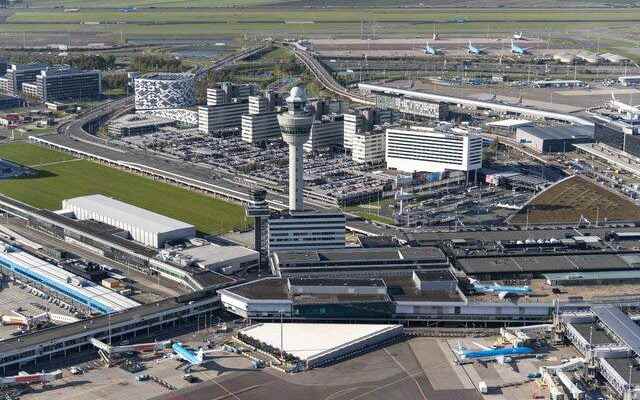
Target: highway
325,78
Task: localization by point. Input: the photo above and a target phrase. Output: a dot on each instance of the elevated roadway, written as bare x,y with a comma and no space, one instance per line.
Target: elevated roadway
325,78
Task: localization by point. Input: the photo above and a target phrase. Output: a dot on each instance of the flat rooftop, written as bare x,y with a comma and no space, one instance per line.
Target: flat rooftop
310,341
399,288
336,282
213,254
166,76
144,219
621,365
544,263
404,255
598,335
558,132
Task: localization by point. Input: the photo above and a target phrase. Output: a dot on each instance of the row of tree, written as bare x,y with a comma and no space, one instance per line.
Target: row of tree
288,357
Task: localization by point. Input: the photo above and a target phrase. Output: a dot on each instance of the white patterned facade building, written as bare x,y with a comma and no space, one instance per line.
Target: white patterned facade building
157,91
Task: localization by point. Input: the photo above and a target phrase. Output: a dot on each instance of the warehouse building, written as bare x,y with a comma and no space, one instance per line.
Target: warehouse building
71,83
165,91
144,226
424,149
554,139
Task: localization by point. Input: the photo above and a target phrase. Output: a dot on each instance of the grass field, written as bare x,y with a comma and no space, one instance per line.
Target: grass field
567,200
326,15
150,3
60,177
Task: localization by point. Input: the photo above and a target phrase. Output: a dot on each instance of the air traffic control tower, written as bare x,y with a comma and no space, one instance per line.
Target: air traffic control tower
296,125
258,209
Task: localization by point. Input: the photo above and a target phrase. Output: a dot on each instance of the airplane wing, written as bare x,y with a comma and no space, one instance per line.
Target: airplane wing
483,347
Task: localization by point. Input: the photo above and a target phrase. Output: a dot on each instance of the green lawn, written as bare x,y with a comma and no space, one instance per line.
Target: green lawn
148,3
66,179
28,155
328,15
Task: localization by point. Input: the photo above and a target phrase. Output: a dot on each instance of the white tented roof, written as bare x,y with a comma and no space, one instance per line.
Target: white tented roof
309,341
146,220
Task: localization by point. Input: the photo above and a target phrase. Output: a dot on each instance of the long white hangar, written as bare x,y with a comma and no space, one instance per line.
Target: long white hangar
143,225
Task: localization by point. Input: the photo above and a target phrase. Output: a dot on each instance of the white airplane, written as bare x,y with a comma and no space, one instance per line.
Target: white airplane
624,108
517,49
471,49
430,50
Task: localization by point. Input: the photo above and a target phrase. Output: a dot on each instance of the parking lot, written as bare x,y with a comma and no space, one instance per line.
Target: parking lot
14,298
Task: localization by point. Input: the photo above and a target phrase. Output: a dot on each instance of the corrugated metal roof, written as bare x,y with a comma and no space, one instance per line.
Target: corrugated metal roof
147,220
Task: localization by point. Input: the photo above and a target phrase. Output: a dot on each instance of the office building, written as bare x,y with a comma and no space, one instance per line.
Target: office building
258,128
165,91
619,134
421,149
30,90
261,123
225,92
306,230
295,125
553,139
220,117
368,147
144,226
17,74
326,133
10,102
64,84
363,119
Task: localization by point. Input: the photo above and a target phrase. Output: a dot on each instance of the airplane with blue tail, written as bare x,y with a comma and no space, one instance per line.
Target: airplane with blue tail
517,49
501,355
501,290
187,356
471,49
431,50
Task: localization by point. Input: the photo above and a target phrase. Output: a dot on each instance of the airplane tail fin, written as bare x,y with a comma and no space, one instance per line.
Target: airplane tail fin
200,355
